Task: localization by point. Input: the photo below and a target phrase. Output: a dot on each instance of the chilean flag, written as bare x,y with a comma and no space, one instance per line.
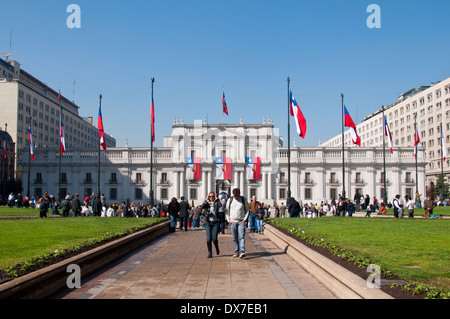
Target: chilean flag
348,122
224,104
416,143
300,121
387,132
223,168
59,97
61,135
30,141
4,147
253,167
444,149
100,128
153,119
193,170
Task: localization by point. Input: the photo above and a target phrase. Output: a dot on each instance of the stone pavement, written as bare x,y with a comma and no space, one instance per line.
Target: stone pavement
175,267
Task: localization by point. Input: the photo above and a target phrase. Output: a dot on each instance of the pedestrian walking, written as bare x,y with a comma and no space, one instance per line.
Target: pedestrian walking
76,206
252,216
410,206
223,204
211,212
96,206
196,212
237,213
259,218
43,208
65,206
184,214
173,210
293,208
396,204
283,212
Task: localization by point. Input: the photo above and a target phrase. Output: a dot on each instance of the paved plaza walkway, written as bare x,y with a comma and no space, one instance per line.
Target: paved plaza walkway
175,266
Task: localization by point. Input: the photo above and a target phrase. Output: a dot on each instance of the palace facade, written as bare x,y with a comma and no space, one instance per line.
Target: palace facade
199,158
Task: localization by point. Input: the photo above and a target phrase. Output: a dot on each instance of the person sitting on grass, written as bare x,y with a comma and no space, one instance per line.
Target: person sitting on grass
55,209
427,215
382,210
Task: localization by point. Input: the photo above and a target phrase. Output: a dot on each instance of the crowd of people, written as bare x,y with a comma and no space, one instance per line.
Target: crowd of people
75,206
192,216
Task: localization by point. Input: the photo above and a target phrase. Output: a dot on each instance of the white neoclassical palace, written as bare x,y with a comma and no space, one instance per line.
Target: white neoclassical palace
221,153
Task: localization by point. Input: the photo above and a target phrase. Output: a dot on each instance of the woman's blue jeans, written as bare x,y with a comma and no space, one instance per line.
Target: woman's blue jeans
212,229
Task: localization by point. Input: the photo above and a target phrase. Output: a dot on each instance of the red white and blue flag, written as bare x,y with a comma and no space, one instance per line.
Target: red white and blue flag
153,118
193,170
253,167
300,121
100,128
443,147
223,168
61,135
348,122
387,132
30,142
224,103
416,143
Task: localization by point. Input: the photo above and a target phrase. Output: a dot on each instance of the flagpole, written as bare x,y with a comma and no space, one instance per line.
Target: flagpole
416,150
442,164
289,143
151,152
384,158
29,163
4,162
343,149
60,153
99,141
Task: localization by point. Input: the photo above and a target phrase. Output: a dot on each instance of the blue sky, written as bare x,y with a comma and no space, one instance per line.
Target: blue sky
194,49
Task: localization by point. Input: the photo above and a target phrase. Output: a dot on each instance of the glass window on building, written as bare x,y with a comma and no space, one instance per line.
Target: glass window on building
113,193
164,193
308,193
138,193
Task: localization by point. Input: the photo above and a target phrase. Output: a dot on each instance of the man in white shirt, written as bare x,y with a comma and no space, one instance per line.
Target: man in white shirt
236,214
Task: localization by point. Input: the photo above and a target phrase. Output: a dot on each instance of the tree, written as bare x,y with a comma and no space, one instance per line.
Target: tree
441,183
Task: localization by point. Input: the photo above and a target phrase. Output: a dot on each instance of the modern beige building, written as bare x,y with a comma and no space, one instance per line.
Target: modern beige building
24,99
429,107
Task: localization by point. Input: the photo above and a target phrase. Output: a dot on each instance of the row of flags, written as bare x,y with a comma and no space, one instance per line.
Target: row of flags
348,122
295,112
223,168
62,144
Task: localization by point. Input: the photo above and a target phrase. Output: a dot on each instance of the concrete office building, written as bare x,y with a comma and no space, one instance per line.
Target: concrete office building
24,99
429,106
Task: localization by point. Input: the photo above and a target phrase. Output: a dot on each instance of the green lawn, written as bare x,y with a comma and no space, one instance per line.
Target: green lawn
414,249
441,210
6,211
22,239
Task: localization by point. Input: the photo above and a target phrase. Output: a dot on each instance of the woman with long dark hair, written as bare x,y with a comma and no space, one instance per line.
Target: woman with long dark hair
211,212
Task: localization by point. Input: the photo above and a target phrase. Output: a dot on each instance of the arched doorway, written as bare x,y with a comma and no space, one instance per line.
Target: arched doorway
223,186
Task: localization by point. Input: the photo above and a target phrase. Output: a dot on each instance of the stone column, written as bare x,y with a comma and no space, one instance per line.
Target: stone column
182,185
